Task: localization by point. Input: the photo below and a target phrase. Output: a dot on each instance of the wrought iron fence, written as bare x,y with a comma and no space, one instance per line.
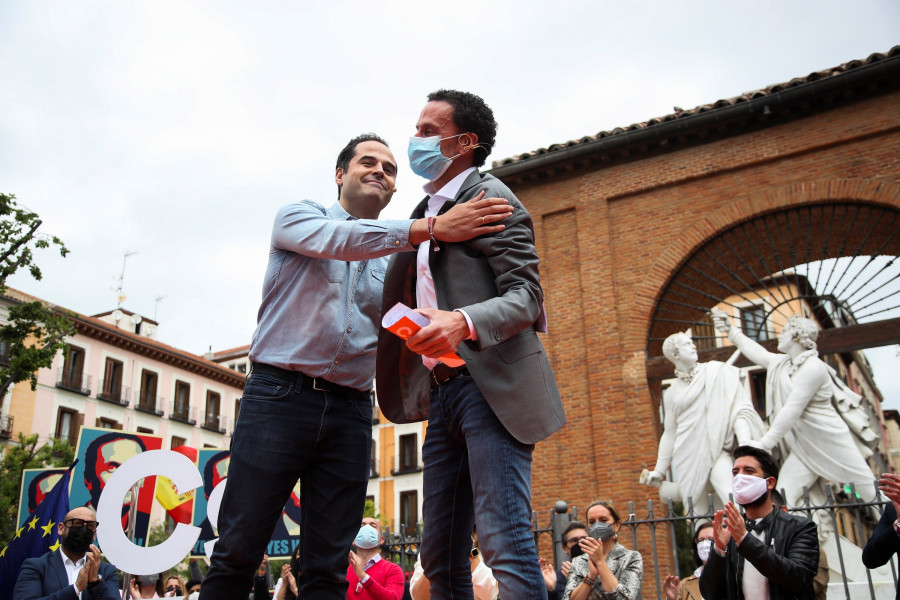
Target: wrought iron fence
666,528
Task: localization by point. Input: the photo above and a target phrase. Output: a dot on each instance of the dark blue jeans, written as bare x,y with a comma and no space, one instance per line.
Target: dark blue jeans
285,433
476,471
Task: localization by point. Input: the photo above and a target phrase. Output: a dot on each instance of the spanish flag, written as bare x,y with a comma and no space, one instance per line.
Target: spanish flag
179,506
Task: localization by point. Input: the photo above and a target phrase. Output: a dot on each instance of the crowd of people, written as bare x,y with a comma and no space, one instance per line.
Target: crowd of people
764,553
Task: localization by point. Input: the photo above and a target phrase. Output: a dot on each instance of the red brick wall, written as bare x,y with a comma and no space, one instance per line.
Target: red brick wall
609,241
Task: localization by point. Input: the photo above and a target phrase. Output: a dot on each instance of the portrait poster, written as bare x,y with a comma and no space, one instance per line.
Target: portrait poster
99,453
213,466
36,483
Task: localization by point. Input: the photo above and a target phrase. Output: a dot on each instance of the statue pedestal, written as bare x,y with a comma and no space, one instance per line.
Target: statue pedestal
857,582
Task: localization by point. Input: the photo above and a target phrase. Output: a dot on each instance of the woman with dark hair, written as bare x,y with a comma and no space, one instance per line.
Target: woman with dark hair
286,588
607,570
689,588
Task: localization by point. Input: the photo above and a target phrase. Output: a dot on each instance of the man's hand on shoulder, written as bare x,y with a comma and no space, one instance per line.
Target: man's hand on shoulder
441,336
464,221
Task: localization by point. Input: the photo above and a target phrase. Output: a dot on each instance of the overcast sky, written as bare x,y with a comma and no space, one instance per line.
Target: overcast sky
176,129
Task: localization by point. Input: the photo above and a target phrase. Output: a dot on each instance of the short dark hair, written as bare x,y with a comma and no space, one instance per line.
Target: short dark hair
349,151
471,115
768,464
572,526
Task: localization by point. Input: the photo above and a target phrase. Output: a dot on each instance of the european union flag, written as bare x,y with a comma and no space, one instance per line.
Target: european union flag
37,536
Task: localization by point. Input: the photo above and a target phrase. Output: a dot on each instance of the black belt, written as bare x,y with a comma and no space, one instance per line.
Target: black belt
441,374
305,381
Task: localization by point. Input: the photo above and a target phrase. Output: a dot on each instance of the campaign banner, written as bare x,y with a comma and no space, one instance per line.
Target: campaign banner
36,483
213,466
99,453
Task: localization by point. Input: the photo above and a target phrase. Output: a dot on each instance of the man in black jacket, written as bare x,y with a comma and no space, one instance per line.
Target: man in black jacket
774,555
885,540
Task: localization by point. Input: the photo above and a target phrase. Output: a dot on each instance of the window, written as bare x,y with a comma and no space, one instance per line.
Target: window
753,322
72,375
758,392
147,399
409,511
105,423
177,441
237,409
409,453
213,400
111,386
182,407
242,368
68,424
144,430
704,333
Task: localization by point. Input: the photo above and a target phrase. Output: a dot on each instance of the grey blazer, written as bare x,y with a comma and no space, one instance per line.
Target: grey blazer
495,279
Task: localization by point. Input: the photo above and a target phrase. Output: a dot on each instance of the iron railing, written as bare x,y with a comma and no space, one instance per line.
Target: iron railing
77,382
110,392
184,414
148,403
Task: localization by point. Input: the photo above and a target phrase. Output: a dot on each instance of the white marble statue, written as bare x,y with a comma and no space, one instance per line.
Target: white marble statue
707,414
815,420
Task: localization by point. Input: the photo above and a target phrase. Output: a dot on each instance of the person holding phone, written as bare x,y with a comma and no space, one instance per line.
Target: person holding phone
607,570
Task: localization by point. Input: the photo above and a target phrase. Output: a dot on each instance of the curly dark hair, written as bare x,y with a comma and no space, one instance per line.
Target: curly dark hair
471,114
766,461
349,151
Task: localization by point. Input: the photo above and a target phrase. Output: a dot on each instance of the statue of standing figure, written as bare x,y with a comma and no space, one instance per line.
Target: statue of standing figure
707,414
815,420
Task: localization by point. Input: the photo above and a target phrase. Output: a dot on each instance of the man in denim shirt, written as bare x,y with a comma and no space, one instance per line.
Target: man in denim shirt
307,407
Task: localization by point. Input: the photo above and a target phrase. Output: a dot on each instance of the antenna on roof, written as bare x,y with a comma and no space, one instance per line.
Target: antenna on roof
156,307
120,294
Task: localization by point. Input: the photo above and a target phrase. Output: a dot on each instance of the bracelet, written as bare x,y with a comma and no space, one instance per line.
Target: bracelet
588,581
434,242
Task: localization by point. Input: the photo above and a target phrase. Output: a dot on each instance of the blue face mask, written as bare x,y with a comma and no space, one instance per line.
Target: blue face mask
425,157
367,538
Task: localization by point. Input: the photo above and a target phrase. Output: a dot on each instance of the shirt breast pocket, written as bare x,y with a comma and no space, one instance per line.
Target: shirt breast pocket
332,270
377,285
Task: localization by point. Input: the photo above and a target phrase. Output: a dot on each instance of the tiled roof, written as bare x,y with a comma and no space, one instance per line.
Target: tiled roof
718,105
99,329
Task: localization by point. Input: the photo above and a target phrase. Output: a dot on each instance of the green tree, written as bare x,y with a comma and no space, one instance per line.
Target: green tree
18,457
34,332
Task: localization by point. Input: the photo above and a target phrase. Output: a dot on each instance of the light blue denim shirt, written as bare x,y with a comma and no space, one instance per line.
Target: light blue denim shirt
321,304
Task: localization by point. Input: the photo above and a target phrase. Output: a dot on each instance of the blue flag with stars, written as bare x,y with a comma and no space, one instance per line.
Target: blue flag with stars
36,536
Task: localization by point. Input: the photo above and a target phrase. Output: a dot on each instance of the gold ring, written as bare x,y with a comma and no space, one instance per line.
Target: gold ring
482,219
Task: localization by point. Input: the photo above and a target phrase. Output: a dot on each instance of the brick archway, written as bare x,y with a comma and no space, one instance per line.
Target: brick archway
673,257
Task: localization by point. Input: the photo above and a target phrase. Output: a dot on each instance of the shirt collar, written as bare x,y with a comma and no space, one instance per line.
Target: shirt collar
373,560
449,189
338,212
69,561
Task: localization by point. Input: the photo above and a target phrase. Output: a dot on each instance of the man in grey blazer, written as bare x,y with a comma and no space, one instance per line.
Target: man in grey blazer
485,302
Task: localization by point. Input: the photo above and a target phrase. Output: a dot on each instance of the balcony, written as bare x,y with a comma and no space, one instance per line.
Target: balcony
6,427
4,354
405,469
149,404
183,414
80,383
117,394
214,422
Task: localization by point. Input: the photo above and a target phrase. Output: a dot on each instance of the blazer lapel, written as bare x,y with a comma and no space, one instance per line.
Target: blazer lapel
59,569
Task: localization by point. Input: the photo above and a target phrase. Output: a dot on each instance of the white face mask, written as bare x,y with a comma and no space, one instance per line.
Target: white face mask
747,489
703,547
